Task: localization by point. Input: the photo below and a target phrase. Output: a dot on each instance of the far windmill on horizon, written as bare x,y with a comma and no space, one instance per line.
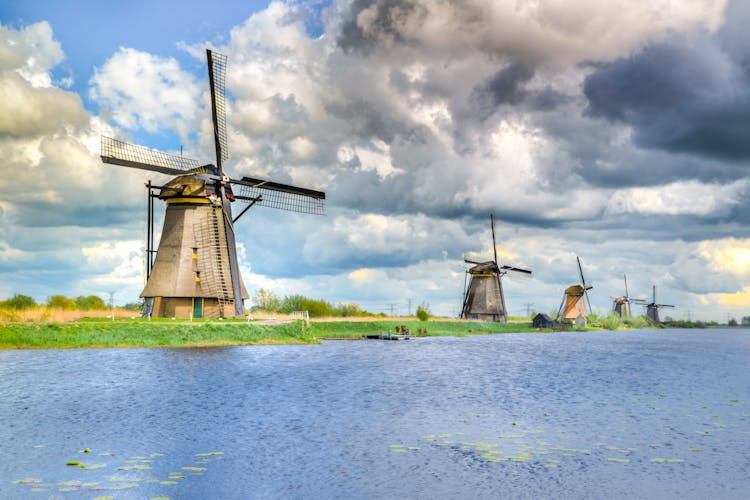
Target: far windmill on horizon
484,298
652,308
196,272
575,299
621,304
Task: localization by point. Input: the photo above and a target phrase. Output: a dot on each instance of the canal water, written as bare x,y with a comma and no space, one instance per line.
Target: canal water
639,414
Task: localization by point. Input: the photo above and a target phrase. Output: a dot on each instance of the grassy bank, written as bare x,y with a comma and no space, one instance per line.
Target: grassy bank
130,333
94,332
435,327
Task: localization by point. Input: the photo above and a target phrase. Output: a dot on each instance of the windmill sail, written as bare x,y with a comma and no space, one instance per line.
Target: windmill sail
217,70
281,196
124,154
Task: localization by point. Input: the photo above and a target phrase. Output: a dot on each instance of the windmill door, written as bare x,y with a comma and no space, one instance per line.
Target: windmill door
197,307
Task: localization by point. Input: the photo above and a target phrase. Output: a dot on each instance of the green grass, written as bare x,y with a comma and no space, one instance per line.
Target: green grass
103,332
137,333
356,329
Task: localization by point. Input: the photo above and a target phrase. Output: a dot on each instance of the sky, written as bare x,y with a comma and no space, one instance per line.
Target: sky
615,131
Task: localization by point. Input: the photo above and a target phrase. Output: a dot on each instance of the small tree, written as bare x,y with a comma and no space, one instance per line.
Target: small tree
266,300
19,301
61,302
745,321
732,322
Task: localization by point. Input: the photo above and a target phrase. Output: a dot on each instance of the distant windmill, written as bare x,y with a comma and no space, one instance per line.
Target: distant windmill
484,298
196,272
573,304
652,309
621,304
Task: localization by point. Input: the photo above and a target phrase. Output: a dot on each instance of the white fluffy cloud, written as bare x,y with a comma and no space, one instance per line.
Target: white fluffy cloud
31,52
141,90
683,197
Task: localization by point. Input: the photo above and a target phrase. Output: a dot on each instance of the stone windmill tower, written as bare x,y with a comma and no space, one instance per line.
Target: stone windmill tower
575,299
484,298
196,272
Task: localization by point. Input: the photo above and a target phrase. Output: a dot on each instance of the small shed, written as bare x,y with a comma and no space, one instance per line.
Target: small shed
543,321
580,320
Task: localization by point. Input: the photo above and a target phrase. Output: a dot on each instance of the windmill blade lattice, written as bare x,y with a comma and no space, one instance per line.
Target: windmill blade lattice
281,196
131,155
217,75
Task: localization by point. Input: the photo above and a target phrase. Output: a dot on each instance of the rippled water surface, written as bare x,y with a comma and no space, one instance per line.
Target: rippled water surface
644,414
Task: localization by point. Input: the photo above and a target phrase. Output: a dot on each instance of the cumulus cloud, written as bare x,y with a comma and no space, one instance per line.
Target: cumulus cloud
729,255
683,197
546,31
141,90
26,110
31,52
687,93
56,196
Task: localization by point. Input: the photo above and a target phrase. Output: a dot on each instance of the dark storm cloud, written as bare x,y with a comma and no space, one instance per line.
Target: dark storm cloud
684,95
384,23
507,87
366,119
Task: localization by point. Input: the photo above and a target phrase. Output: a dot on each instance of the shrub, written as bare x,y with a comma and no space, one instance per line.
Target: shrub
19,301
349,310
90,303
612,322
423,312
316,308
639,322
61,302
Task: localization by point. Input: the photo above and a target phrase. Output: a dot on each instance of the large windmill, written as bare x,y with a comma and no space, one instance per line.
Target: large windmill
621,304
196,272
652,309
484,298
573,304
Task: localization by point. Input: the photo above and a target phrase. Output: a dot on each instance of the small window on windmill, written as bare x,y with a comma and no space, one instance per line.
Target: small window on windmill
195,253
197,276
